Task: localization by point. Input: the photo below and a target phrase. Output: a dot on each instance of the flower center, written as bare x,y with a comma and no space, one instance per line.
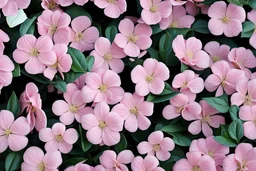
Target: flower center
41,167
7,132
215,58
52,5
153,9
58,138
79,37
223,83
248,100
53,29
55,65
107,57
189,54
210,154
149,78
112,1
225,19
206,119
102,125
241,166
132,38
196,168
156,147
184,85
34,52
134,111
103,88
73,109
179,109
174,25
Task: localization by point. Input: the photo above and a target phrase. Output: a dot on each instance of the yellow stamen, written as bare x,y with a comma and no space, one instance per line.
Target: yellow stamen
179,109
132,38
134,111
206,119
210,154
53,29
55,65
58,138
156,147
107,57
41,167
73,109
149,78
189,54
103,88
112,1
241,166
196,168
174,25
79,37
248,100
52,5
215,58
153,9
34,52
7,132
225,19
102,125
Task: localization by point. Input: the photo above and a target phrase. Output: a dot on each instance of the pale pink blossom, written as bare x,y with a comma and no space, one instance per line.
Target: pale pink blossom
244,158
252,17
103,127
11,7
242,59
246,93
102,85
195,162
108,56
6,68
30,100
225,19
112,8
35,159
248,114
182,2
13,132
80,82
223,79
134,111
189,52
216,51
149,163
80,167
177,19
73,108
113,162
133,39
181,105
36,53
194,8
3,38
205,119
52,5
62,64
58,138
150,77
211,148
54,24
66,3
99,168
83,35
153,11
157,145
189,83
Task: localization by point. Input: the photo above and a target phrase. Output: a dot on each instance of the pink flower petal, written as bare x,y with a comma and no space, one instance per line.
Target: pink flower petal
46,135
131,123
53,159
17,142
79,24
126,27
70,136
33,156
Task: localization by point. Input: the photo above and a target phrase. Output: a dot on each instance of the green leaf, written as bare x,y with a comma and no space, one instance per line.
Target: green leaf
153,53
225,140
167,89
161,98
71,76
248,29
156,29
78,58
13,104
90,62
72,161
16,71
122,145
28,27
236,2
86,145
233,110
111,32
60,85
174,127
235,130
76,11
183,67
38,77
208,2
218,103
13,161
177,154
181,139
201,26
252,4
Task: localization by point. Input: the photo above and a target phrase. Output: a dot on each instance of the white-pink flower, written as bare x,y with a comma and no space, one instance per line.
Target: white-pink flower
252,17
103,127
11,7
66,3
6,68
58,138
112,8
81,167
248,114
149,163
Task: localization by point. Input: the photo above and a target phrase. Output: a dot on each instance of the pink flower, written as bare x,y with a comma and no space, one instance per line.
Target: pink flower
63,62
189,83
99,168
112,8
205,119
216,51
58,138
189,52
52,5
211,148
11,7
72,108
225,19
252,17
6,68
245,94
193,8
66,3
195,162
35,159
112,162
13,132
181,105
242,59
177,19
243,159
102,86
248,114
223,78
80,167
54,25
3,38
149,163
157,145
31,100
36,53
83,35
150,78
103,126
80,82
153,11
133,39
134,111
178,2
107,56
